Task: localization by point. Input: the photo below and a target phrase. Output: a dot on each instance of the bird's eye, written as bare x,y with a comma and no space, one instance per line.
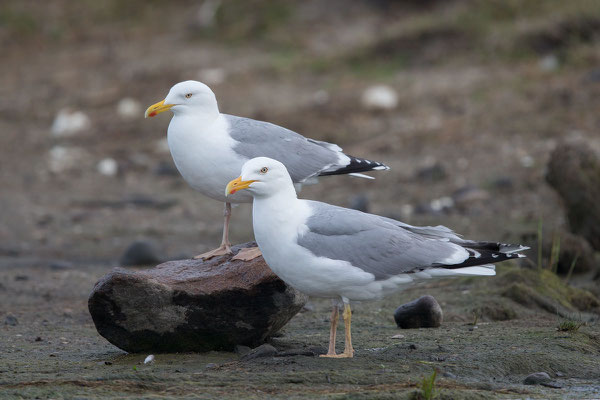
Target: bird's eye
264,170
187,96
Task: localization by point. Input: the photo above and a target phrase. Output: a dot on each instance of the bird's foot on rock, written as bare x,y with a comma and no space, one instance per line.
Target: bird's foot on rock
342,355
222,250
247,254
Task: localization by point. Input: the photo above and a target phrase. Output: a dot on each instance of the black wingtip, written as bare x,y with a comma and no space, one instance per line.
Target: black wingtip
481,253
357,165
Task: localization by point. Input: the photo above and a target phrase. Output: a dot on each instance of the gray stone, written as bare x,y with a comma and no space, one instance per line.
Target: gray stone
431,173
537,378
11,320
360,202
193,305
424,312
241,350
264,350
141,252
60,265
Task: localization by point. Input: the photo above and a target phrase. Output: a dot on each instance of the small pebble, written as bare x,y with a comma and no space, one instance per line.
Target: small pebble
264,350
424,312
379,97
11,320
129,108
431,173
527,161
537,378
141,252
241,350
69,122
62,158
38,339
320,97
149,359
549,63
108,167
60,265
165,169
360,202
398,337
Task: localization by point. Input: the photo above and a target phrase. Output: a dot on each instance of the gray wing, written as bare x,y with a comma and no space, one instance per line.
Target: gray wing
375,244
304,158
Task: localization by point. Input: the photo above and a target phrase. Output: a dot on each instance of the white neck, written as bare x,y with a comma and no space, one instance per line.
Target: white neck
278,219
275,212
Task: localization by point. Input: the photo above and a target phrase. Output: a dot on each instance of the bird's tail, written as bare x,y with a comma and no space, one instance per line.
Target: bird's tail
356,166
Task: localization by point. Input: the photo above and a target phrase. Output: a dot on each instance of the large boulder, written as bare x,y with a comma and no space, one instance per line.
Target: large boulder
574,172
193,305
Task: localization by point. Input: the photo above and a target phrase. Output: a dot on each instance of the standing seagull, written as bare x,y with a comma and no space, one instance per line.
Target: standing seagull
209,149
328,251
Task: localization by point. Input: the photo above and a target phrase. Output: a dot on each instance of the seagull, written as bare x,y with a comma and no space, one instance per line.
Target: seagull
347,255
209,149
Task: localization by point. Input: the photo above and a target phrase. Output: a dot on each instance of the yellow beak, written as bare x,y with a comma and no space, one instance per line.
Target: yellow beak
237,184
157,109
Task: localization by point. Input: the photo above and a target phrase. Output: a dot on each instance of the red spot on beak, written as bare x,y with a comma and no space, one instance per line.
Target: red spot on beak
152,114
233,191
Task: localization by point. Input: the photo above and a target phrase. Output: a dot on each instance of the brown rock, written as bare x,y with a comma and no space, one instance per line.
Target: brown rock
574,172
192,305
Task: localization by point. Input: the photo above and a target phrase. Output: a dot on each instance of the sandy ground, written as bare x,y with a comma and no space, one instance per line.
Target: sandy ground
55,352
485,90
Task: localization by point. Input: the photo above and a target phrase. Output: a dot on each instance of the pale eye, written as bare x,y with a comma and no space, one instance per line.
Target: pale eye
187,96
264,170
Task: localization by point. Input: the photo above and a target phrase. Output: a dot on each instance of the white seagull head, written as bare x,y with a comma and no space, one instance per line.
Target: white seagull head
188,97
262,177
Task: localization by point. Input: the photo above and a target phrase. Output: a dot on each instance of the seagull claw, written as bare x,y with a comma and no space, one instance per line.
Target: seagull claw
342,355
247,254
222,250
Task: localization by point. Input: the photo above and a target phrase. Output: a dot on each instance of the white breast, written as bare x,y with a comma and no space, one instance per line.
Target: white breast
203,154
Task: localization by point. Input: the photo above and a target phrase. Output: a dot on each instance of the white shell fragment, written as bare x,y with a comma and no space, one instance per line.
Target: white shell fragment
61,158
69,122
149,359
108,167
129,108
380,97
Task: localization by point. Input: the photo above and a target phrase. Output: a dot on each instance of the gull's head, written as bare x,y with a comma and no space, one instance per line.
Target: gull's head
263,177
186,97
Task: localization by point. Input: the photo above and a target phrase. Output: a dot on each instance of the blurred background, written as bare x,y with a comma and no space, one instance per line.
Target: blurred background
465,100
